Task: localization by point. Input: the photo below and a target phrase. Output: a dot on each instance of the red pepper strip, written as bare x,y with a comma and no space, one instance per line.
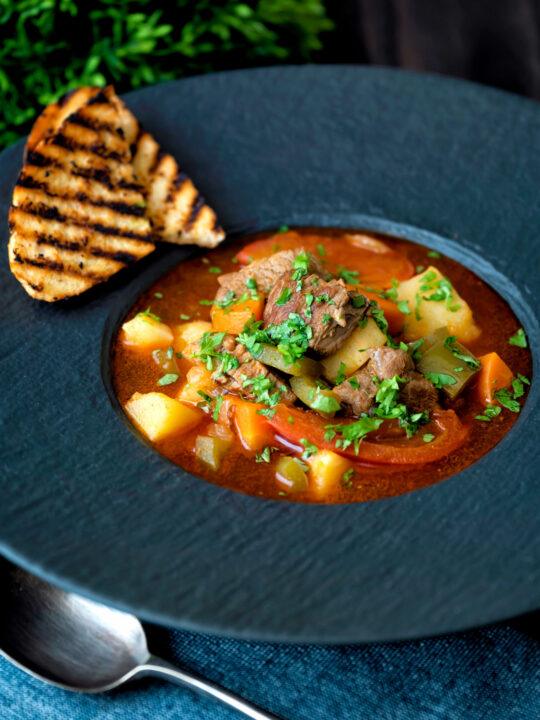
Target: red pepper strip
449,433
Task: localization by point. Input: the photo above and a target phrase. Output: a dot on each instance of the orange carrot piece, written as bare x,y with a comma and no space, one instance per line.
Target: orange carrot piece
494,375
233,318
252,429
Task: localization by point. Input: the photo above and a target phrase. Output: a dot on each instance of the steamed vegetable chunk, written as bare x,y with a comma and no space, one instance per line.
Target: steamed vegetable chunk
290,473
327,470
190,332
446,362
351,355
211,450
433,302
146,331
158,416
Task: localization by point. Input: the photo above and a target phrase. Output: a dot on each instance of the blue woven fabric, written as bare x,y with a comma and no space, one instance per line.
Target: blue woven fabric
491,673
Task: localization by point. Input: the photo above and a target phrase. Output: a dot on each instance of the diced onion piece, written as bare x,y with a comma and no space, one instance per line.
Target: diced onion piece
291,474
211,450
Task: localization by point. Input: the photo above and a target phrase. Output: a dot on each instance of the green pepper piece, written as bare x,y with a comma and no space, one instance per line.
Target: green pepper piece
442,354
316,395
270,355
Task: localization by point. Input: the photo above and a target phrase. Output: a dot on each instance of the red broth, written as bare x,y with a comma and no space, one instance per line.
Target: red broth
178,295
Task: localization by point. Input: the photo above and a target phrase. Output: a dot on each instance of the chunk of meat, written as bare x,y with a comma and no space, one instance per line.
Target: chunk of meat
325,306
359,395
418,393
248,368
265,272
386,362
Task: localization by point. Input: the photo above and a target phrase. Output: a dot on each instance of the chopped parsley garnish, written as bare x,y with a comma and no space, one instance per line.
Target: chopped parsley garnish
235,260
340,377
378,315
209,343
428,437
178,354
308,298
170,352
350,276
217,408
251,283
439,290
440,379
290,420
414,350
300,266
227,300
185,317
291,337
403,307
434,254
158,295
489,413
326,318
324,403
451,344
215,270
206,302
353,382
261,386
267,412
283,228
507,401
420,268
321,250
346,478
284,297
168,379
275,248
418,300
352,433
519,339
325,297
147,314
309,448
264,455
359,301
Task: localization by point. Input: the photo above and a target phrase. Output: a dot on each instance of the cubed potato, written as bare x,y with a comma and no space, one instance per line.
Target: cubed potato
158,416
145,332
198,378
326,470
212,450
428,315
350,353
190,332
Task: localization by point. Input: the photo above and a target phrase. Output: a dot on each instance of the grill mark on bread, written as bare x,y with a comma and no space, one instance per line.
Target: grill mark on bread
195,210
96,148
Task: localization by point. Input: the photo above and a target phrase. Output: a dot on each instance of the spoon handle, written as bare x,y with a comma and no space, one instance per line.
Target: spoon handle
162,669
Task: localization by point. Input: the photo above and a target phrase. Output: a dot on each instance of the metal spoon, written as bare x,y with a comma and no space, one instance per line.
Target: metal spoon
81,645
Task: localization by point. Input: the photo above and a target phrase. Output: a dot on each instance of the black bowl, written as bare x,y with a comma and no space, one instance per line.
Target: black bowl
85,504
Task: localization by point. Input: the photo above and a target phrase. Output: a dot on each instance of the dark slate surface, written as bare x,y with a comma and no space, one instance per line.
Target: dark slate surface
87,505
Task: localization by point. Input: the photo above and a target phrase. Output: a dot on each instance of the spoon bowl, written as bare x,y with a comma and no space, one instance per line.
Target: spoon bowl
78,644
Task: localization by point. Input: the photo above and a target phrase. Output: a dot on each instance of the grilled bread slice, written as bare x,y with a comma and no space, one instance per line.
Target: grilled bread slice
78,214
176,210
178,213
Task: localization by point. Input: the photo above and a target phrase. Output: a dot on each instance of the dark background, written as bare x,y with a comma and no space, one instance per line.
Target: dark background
495,42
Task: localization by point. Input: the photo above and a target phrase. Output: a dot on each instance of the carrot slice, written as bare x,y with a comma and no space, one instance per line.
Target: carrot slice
233,318
251,427
494,375
395,318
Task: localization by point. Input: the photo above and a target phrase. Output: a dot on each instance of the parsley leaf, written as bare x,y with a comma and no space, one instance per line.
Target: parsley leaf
507,401
284,297
215,270
440,379
350,276
519,339
147,314
168,379
452,345
490,412
434,254
324,403
340,377
217,408
428,437
321,250
264,455
309,448
403,307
